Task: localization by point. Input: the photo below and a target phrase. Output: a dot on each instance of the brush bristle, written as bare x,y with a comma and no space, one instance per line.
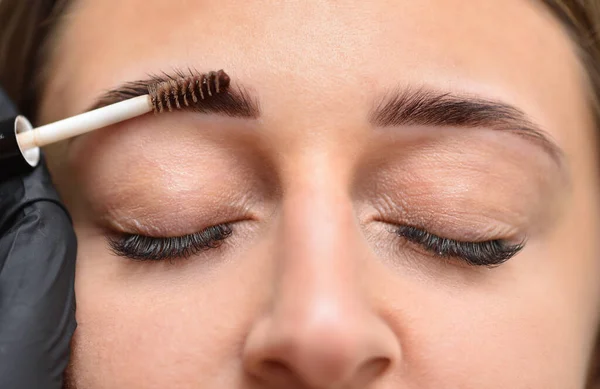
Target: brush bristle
187,91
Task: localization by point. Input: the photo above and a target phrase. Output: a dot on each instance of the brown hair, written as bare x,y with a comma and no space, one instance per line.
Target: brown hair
581,19
26,26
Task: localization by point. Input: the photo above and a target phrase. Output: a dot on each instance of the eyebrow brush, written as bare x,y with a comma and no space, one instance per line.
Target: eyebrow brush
20,142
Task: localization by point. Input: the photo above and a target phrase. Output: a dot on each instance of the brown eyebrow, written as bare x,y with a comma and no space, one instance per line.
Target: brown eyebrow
235,102
429,107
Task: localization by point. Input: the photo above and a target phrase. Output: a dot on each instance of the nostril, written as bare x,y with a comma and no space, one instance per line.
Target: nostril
274,366
371,369
275,369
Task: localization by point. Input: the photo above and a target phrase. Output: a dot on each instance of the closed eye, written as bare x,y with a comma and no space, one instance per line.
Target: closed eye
486,253
146,248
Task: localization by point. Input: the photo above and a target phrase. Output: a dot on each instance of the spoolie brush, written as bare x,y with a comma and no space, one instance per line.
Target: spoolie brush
20,142
165,96
186,91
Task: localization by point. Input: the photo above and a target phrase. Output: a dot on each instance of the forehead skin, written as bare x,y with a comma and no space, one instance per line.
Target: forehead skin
317,67
332,48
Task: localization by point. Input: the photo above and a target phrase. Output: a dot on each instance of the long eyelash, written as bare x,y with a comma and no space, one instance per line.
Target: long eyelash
489,253
146,248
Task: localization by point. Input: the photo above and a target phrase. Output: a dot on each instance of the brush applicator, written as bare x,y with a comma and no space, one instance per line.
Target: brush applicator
20,142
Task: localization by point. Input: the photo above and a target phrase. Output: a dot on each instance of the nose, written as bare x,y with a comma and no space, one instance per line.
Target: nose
320,330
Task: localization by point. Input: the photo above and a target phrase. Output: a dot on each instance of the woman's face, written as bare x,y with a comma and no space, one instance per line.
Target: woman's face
389,150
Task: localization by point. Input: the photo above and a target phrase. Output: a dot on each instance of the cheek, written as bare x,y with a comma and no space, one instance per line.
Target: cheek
489,347
509,331
170,325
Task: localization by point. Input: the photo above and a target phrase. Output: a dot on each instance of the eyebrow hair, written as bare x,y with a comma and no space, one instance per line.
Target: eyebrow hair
236,102
429,107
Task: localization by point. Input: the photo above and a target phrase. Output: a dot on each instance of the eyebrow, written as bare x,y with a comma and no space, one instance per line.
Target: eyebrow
236,102
402,107
429,107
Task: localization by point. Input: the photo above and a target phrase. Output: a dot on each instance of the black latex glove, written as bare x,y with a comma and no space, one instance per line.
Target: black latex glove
37,270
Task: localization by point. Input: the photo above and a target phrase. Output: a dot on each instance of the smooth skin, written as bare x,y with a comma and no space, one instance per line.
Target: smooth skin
314,289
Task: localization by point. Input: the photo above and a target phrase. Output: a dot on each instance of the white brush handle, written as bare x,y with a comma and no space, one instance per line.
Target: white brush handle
85,122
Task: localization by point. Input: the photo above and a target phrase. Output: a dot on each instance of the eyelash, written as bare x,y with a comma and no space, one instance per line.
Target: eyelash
146,248
489,253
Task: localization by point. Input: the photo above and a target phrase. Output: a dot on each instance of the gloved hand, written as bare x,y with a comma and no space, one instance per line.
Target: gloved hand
37,269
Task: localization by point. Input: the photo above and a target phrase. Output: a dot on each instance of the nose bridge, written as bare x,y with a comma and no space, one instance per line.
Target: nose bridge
316,313
319,244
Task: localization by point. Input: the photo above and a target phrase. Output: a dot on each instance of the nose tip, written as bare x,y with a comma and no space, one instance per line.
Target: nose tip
333,351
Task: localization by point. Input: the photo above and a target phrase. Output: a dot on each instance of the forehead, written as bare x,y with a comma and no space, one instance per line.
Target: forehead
511,49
